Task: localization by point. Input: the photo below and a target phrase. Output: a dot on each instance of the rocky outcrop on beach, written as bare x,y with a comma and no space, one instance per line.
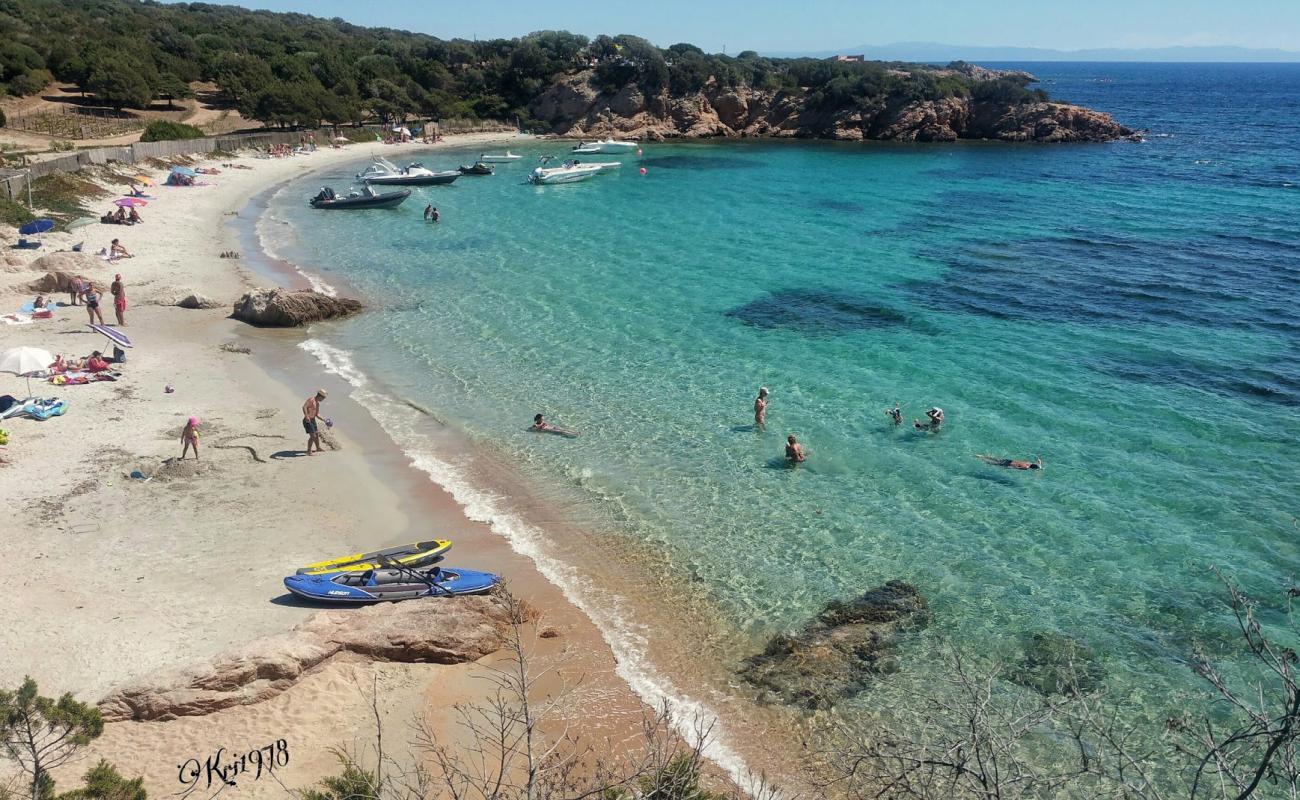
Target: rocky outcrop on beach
194,300
64,262
573,107
838,652
433,630
53,282
280,308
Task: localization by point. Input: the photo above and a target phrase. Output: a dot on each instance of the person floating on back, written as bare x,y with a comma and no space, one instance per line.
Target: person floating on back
760,409
793,450
936,420
895,413
1011,463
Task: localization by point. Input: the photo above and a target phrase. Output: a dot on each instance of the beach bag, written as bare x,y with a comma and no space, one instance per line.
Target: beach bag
119,355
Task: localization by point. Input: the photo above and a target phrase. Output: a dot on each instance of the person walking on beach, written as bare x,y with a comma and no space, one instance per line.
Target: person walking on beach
760,409
793,450
310,419
118,290
190,438
91,296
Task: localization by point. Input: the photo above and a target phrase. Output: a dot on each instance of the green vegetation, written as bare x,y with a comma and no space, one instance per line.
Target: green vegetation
64,195
41,734
14,213
293,69
161,130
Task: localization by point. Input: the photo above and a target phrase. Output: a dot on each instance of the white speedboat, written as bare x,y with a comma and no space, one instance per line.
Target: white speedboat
569,172
605,166
490,158
605,146
385,173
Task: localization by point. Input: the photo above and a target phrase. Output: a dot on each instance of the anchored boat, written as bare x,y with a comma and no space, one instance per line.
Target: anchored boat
385,173
366,198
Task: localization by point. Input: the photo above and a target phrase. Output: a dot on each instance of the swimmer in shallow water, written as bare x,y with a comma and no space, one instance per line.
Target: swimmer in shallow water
1010,463
793,450
539,423
936,420
895,413
760,409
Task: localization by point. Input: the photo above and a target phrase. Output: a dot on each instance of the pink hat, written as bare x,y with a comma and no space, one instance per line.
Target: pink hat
194,421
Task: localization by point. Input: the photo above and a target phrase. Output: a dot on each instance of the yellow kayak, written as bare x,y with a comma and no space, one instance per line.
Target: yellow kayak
414,555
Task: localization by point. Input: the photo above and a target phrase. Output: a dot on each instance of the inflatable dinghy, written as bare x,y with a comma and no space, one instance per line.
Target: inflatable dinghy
380,585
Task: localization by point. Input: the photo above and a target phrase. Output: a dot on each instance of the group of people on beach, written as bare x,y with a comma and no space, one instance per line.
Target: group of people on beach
82,290
122,217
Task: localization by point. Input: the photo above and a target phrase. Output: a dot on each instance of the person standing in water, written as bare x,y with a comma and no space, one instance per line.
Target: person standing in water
793,450
895,413
427,211
936,420
760,409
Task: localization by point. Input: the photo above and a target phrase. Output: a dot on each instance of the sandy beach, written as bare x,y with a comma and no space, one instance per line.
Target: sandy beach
117,579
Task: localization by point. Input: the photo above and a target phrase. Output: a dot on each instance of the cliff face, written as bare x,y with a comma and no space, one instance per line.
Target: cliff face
573,108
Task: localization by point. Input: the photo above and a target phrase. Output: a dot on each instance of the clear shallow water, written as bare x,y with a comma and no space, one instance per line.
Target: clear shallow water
1126,311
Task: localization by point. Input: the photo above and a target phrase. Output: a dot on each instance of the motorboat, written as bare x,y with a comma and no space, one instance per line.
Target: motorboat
477,168
415,554
389,584
366,198
605,166
385,173
605,146
497,158
569,172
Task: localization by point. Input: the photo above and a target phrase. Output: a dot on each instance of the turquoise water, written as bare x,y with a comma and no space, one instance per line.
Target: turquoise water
1125,311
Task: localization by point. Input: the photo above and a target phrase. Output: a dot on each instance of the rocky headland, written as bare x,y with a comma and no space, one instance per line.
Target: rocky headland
576,106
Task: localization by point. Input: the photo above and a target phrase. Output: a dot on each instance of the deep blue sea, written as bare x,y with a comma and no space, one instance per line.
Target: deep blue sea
1128,312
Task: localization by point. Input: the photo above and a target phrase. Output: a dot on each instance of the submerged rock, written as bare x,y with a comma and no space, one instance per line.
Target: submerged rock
1057,664
836,654
435,630
280,308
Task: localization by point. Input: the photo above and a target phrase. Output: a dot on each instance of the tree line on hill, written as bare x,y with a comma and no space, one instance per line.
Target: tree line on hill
294,69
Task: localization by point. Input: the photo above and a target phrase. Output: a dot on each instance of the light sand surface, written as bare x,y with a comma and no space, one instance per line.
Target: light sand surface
111,579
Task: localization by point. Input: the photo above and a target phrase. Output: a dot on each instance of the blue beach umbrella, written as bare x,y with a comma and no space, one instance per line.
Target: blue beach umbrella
186,171
36,226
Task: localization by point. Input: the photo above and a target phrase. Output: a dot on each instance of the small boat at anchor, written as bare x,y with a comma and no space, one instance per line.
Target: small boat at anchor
477,168
366,198
390,584
606,145
569,172
385,173
499,158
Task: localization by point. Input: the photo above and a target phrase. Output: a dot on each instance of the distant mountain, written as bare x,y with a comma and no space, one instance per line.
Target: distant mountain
933,51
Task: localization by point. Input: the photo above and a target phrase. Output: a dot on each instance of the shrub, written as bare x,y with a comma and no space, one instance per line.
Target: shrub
2,118
161,130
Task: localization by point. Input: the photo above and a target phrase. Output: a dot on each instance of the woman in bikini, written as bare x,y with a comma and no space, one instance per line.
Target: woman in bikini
91,296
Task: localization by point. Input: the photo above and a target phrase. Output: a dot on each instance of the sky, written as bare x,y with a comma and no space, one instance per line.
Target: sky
816,25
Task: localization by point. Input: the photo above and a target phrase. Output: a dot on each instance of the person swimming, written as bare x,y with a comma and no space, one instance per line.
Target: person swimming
895,413
793,450
1010,463
936,420
539,423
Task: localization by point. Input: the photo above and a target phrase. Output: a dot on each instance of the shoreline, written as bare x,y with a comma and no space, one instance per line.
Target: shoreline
364,496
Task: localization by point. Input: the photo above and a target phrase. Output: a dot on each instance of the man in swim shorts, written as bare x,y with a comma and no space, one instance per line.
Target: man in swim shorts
310,419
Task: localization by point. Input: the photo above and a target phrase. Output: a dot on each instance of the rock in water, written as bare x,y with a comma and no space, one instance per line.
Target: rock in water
835,654
431,630
1057,664
279,308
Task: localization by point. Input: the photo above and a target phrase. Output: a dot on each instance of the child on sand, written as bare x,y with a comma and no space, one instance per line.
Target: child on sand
190,438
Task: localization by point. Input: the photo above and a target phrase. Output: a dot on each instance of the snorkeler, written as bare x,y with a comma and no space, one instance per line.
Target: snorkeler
1011,463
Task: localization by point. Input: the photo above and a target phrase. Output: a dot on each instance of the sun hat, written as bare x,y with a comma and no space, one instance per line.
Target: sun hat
322,393
194,421
762,390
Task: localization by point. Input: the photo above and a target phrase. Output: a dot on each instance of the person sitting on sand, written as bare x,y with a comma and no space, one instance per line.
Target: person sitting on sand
310,420
39,302
1011,463
119,216
96,362
936,420
136,191
134,218
793,450
190,438
895,413
760,409
117,250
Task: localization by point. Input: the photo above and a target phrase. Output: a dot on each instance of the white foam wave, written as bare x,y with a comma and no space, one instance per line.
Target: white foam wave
609,613
272,230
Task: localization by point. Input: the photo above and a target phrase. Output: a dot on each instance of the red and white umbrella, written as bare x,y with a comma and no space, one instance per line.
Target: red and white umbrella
129,202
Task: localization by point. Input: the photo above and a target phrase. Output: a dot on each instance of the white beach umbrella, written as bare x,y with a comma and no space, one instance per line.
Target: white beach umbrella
24,361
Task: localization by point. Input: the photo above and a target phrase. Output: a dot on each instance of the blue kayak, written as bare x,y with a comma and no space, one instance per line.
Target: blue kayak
379,585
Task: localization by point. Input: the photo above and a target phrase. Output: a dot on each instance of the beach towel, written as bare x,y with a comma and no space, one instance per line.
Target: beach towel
16,319
82,378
